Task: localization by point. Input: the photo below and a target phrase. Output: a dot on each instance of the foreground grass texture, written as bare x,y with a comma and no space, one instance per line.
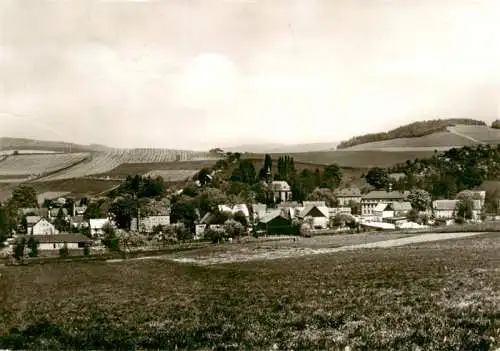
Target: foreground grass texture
436,296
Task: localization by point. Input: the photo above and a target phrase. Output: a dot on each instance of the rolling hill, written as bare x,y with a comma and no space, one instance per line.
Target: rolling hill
412,130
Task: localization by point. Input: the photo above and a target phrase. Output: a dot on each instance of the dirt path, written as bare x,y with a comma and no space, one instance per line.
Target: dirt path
246,254
454,131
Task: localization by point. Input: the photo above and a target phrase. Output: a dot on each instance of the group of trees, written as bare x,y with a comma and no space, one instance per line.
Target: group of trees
10,220
446,174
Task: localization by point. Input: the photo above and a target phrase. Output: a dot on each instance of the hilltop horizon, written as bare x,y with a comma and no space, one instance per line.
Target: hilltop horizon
257,146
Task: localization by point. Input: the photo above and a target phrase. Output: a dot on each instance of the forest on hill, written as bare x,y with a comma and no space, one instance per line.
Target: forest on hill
446,174
412,130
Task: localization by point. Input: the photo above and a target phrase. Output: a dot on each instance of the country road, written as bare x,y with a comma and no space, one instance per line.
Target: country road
246,254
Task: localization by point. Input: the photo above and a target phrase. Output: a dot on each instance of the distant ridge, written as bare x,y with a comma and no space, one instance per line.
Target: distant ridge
281,148
7,143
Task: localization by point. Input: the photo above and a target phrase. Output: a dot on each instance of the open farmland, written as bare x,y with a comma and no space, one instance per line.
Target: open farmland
429,296
126,169
103,163
34,164
480,133
11,152
77,186
440,141
355,159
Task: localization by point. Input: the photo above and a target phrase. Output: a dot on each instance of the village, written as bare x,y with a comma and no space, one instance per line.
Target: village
63,224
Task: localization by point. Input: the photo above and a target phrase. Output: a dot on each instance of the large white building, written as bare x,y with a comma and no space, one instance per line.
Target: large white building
370,201
147,224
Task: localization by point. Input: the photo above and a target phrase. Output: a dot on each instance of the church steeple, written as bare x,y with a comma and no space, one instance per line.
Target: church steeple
269,177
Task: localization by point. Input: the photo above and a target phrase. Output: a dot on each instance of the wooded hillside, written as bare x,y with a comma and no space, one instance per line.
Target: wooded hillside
412,130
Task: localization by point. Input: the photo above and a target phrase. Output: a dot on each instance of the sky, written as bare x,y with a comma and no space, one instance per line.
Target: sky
196,74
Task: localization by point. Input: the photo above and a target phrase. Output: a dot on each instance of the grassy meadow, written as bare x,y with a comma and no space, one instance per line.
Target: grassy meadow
431,296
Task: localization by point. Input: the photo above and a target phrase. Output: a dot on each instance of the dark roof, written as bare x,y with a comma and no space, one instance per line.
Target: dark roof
348,192
384,195
61,238
445,205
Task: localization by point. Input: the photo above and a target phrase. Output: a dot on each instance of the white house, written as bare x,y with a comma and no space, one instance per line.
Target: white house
236,208
383,210
147,224
444,209
259,211
345,196
391,210
97,225
319,215
43,227
373,198
55,242
30,222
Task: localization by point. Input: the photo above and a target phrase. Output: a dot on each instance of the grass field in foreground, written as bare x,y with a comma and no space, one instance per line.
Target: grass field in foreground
436,296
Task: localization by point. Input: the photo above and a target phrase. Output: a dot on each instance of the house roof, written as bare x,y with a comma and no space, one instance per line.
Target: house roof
385,195
207,218
280,185
444,205
348,192
381,207
98,223
401,206
322,209
477,194
32,219
61,238
314,203
241,208
271,215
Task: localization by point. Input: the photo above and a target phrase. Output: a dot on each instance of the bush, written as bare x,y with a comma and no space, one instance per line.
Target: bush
63,251
215,236
33,246
19,249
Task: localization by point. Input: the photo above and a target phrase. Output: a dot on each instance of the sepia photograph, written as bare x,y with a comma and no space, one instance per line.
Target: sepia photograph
250,175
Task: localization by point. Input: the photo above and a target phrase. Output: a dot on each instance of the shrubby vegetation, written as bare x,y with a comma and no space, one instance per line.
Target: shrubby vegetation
412,130
446,174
